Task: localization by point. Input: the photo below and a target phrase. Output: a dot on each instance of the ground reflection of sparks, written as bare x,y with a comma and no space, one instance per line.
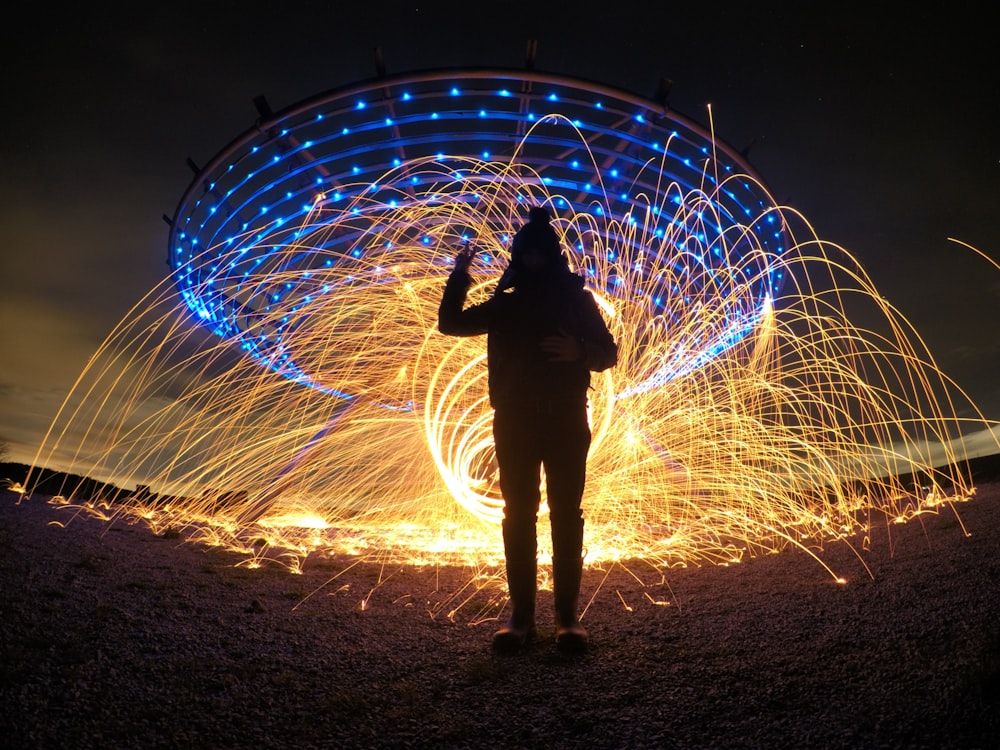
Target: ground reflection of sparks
737,422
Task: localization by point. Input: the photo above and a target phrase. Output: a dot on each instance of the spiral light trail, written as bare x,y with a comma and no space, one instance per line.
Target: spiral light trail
285,392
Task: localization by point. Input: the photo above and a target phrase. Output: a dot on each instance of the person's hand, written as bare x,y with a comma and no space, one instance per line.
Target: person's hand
464,258
562,347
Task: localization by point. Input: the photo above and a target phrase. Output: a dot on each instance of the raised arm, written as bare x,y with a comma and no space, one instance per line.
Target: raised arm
453,320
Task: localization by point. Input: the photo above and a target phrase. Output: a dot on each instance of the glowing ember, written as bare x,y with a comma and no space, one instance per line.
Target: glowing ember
785,435
748,413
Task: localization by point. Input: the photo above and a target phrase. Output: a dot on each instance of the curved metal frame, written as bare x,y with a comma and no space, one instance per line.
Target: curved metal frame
600,149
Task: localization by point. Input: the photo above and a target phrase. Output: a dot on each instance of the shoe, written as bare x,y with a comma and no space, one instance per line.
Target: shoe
512,638
571,640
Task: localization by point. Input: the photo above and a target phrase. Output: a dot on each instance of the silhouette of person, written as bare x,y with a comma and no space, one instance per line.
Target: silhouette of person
545,334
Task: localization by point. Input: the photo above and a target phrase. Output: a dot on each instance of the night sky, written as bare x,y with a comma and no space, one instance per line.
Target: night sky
880,126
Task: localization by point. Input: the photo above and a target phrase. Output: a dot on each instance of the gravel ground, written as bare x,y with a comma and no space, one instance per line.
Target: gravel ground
113,637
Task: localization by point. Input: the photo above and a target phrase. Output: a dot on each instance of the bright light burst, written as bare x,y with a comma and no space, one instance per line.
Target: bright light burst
750,411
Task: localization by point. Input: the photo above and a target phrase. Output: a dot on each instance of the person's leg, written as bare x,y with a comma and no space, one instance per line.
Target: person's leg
565,461
520,473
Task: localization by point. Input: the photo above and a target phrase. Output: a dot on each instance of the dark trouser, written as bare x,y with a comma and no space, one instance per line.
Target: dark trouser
528,438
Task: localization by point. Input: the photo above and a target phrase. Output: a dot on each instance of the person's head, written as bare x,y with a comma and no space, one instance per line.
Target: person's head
536,247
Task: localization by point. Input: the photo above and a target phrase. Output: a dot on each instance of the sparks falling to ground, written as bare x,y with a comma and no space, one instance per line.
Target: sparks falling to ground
732,424
285,392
